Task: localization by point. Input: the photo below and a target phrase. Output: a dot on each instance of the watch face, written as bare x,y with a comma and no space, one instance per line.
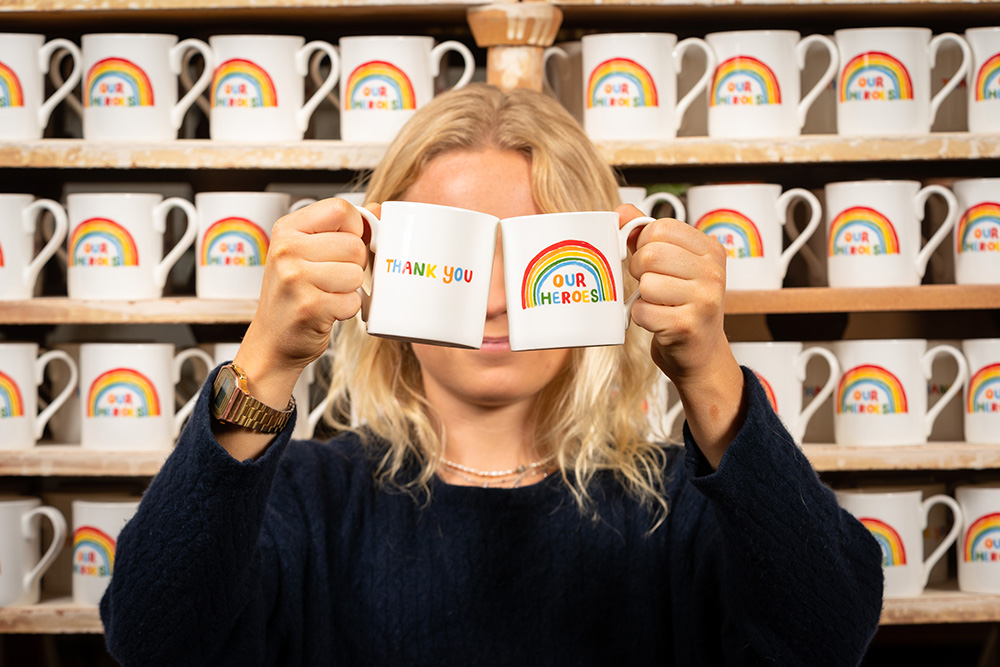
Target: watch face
225,384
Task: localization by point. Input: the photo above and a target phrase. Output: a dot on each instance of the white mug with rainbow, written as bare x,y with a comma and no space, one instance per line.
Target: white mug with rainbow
430,281
781,369
630,85
21,569
982,394
19,263
881,397
130,86
258,87
127,394
646,203
979,550
233,237
563,278
977,232
24,62
873,232
884,87
747,219
755,89
116,244
96,526
21,372
897,520
385,79
984,79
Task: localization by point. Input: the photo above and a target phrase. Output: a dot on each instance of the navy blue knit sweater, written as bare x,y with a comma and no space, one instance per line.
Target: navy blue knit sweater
299,558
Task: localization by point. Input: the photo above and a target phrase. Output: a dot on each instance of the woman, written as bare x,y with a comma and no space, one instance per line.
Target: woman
380,547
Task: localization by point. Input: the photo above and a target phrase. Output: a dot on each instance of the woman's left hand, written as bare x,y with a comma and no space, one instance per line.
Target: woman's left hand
682,285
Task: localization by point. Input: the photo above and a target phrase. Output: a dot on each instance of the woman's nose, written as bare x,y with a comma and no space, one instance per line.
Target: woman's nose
497,303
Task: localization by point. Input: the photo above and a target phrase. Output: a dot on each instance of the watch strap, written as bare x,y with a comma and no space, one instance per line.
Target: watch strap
246,411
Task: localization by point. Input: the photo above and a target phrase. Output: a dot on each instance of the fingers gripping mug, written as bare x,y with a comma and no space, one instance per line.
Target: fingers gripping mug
563,278
431,274
24,61
19,265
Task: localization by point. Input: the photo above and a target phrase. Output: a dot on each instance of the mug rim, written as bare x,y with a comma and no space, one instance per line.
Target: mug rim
541,217
249,36
994,339
877,182
132,346
890,28
11,499
19,343
983,29
887,341
979,486
858,492
18,194
398,38
242,193
739,186
122,195
978,180
768,343
762,33
644,33
37,35
103,504
126,35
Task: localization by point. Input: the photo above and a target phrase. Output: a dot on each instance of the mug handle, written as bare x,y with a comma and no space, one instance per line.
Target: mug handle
623,235
373,222
700,85
177,64
40,364
548,54
28,219
186,82
317,78
919,201
800,374
58,540
160,224
784,201
179,360
960,73
470,63
680,213
925,509
55,76
303,115
960,379
44,58
800,53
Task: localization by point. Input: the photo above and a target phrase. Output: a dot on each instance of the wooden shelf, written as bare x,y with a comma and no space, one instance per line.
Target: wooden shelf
290,5
59,616
332,155
192,310
74,461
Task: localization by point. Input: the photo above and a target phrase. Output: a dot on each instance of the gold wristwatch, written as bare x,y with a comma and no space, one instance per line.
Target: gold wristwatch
233,404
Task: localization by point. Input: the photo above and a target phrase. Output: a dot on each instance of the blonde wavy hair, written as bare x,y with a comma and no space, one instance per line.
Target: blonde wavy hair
591,415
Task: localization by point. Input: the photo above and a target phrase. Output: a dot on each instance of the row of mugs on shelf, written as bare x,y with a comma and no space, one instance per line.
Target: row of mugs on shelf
874,392
115,396
78,563
905,525
622,86
881,81
880,391
114,241
255,84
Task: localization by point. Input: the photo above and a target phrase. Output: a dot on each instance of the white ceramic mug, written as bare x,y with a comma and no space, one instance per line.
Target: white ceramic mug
897,521
127,393
747,219
646,203
19,263
563,278
873,232
385,79
984,79
258,87
977,232
24,62
982,394
96,526
116,244
21,569
130,87
881,397
781,369
233,236
755,89
630,85
431,274
884,87
979,550
21,372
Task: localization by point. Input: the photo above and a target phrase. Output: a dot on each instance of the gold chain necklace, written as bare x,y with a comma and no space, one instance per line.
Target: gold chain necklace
495,477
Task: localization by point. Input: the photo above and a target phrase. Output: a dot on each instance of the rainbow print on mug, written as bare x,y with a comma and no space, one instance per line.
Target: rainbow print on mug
233,241
861,230
979,229
982,540
744,81
93,552
984,390
239,82
875,76
11,403
621,82
379,85
11,93
736,232
987,83
117,82
870,389
568,272
122,393
893,549
102,242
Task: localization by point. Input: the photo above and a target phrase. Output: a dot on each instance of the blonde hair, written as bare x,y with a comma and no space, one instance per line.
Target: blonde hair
591,415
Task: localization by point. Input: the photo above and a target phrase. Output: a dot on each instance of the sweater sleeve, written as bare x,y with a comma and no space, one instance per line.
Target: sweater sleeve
187,587
800,579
